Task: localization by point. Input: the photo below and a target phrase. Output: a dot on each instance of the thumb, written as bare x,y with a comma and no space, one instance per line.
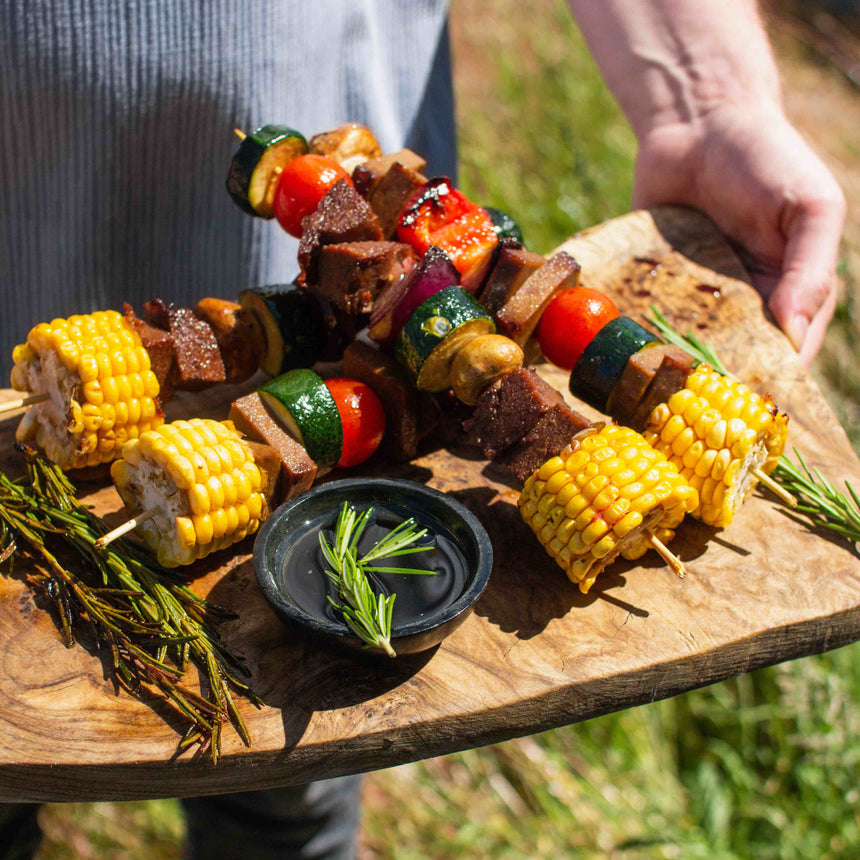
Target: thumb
807,284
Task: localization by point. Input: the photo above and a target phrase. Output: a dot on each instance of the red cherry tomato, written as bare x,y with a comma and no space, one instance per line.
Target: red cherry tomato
302,184
570,322
362,418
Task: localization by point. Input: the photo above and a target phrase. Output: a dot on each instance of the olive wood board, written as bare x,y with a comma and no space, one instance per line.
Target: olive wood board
535,654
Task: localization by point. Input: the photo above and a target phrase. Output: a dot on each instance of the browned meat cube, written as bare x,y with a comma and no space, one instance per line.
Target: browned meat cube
409,413
671,376
198,359
519,315
508,409
391,194
351,274
553,431
628,400
159,346
513,267
298,470
343,215
240,338
366,176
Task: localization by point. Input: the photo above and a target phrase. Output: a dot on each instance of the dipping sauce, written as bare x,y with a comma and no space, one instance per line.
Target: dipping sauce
301,577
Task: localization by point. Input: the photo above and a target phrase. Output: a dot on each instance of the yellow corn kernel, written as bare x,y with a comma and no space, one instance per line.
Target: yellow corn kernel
631,520
672,428
559,480
216,492
186,534
594,486
255,505
549,468
203,528
575,506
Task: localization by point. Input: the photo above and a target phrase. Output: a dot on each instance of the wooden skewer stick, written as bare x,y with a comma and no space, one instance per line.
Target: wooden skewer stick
125,528
775,488
11,405
668,556
239,133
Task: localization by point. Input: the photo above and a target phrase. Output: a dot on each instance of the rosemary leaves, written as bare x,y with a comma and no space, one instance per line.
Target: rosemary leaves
366,612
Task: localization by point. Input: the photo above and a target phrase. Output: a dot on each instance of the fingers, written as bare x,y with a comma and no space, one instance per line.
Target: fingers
815,333
805,295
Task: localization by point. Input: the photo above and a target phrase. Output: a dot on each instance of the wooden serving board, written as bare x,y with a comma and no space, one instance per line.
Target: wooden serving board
535,654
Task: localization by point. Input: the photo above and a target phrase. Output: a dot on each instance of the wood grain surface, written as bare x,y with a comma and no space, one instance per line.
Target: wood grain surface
535,654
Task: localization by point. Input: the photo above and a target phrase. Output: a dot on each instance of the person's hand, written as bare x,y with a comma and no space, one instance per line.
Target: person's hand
750,171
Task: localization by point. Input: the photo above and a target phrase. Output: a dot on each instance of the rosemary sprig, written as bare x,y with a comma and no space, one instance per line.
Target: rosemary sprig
366,612
150,622
820,501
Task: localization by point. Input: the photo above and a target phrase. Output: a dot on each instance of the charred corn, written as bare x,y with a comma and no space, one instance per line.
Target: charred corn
200,478
718,434
603,496
101,389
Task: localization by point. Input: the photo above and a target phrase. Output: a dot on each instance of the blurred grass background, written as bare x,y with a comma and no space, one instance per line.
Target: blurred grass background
765,765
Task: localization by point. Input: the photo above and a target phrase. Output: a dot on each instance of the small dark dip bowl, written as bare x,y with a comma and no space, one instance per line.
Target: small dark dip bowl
290,566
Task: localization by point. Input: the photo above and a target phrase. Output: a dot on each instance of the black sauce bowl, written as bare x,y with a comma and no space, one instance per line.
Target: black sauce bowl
401,499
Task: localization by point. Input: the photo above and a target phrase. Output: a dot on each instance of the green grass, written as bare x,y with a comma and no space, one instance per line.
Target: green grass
763,766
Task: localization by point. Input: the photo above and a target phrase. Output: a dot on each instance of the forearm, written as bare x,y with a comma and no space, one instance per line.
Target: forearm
673,61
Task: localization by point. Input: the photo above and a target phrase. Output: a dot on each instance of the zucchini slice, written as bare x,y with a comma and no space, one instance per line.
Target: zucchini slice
602,362
436,331
257,164
302,404
504,225
293,323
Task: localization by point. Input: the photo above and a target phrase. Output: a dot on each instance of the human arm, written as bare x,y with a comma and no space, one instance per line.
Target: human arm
699,86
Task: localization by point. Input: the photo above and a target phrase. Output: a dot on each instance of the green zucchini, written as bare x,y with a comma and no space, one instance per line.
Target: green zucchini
504,225
602,362
302,404
436,331
257,163
293,322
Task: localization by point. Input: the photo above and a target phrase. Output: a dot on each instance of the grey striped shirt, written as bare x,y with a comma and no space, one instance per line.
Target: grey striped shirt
116,120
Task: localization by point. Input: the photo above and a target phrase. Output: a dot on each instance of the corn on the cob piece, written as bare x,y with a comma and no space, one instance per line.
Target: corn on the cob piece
718,434
604,495
101,390
200,478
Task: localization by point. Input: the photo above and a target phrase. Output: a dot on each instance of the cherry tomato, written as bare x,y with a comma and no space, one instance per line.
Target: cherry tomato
362,418
302,184
570,322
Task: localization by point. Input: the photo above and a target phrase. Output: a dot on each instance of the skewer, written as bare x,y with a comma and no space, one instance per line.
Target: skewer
125,528
11,405
239,133
775,488
668,556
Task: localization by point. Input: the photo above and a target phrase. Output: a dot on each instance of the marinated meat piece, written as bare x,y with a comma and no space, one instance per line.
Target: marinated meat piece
508,409
343,215
512,268
546,439
409,413
519,315
391,194
240,338
366,176
159,346
671,376
639,373
351,274
198,359
298,470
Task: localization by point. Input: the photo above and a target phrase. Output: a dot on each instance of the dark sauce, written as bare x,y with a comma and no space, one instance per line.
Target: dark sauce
302,580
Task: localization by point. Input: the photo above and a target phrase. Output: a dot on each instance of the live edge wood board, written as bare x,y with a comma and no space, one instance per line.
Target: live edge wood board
535,654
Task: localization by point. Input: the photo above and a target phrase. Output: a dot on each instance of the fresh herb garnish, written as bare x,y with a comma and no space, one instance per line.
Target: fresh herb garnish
366,612
148,620
820,501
